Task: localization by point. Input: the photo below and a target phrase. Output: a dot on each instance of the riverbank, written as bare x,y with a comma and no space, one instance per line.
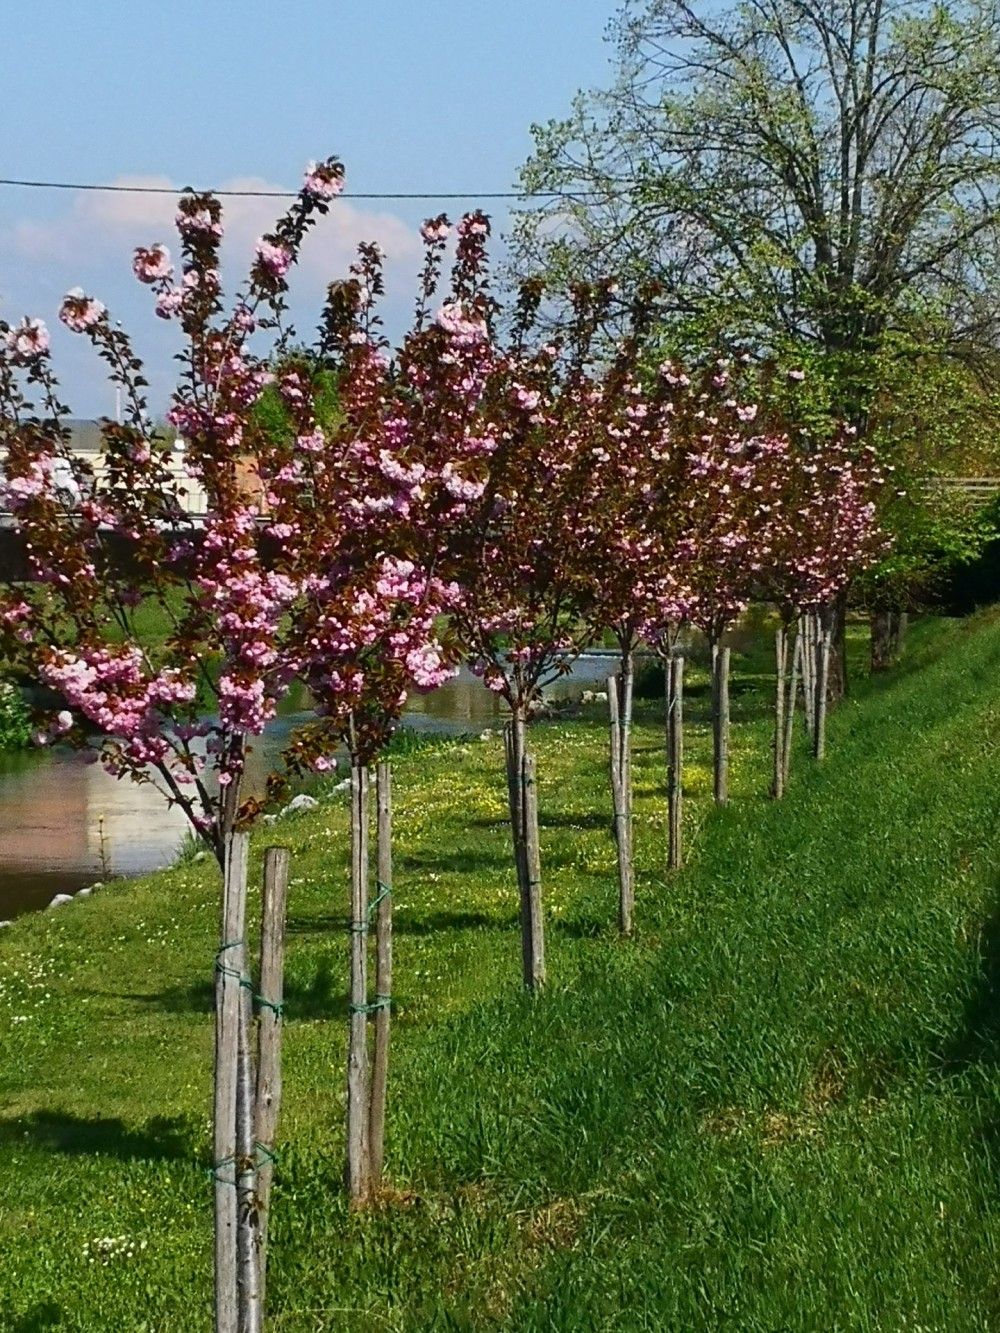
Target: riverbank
776,1108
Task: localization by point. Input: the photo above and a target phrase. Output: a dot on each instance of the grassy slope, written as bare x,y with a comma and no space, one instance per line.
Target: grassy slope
777,1109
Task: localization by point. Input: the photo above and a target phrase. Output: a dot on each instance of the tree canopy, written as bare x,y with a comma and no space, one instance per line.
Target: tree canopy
804,172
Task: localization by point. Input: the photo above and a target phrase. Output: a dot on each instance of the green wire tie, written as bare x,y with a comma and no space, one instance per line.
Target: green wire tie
361,927
261,1153
380,1002
276,1006
224,970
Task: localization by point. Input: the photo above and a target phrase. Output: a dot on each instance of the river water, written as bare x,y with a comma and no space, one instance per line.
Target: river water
65,823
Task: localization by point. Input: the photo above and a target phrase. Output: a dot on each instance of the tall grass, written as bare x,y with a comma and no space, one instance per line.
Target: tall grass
776,1109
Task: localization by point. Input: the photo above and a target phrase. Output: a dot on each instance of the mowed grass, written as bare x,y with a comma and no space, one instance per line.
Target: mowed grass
777,1108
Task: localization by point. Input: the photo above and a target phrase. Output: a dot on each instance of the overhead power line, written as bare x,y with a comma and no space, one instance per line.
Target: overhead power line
290,194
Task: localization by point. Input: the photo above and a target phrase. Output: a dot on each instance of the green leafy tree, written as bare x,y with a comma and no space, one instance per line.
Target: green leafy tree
815,171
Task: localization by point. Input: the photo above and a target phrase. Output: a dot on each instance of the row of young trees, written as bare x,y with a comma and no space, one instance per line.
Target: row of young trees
486,492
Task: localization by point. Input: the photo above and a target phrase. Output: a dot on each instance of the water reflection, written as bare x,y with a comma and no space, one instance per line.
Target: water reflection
65,823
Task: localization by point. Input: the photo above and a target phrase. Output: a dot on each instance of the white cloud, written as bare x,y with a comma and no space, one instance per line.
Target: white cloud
111,224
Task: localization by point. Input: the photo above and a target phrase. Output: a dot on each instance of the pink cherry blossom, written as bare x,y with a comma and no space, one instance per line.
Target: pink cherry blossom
27,341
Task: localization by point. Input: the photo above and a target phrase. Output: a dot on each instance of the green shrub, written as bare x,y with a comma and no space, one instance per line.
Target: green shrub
15,724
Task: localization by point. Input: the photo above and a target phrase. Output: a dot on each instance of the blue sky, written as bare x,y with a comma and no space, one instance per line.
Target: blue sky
432,96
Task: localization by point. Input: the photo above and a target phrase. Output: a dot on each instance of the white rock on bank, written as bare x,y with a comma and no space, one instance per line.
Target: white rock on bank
4,924
302,802
85,893
60,900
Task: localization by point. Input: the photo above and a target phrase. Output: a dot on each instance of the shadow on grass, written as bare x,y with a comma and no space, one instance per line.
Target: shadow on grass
429,923
977,1040
462,861
575,820
44,1315
60,1131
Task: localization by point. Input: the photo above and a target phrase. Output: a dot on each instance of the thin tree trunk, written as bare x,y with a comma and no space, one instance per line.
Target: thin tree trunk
230,969
358,1177
383,971
720,722
780,670
674,674
532,923
272,998
793,691
620,708
823,646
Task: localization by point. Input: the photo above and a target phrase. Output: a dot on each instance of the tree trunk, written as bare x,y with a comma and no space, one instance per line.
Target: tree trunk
674,673
781,667
358,1176
793,691
272,998
532,923
383,971
720,722
229,972
620,690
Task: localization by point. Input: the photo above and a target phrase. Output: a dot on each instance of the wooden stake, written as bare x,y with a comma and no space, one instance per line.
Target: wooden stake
269,1031
807,665
358,1177
230,967
793,688
675,759
514,738
780,666
383,972
248,1250
627,687
824,641
720,722
619,802
532,924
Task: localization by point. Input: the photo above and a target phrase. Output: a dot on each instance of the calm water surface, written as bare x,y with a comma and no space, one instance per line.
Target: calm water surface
65,823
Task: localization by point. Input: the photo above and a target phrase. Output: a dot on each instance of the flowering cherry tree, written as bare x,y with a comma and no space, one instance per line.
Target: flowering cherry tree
281,571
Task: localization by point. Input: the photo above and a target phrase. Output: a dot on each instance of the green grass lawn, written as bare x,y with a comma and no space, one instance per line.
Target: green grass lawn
777,1108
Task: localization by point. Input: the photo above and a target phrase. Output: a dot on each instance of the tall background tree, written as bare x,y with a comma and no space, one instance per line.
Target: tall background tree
815,178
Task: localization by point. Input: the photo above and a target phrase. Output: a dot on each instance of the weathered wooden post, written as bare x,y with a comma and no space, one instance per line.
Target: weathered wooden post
269,1031
533,926
780,668
807,664
248,1247
824,639
674,675
358,1173
620,707
720,722
793,690
383,970
230,968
